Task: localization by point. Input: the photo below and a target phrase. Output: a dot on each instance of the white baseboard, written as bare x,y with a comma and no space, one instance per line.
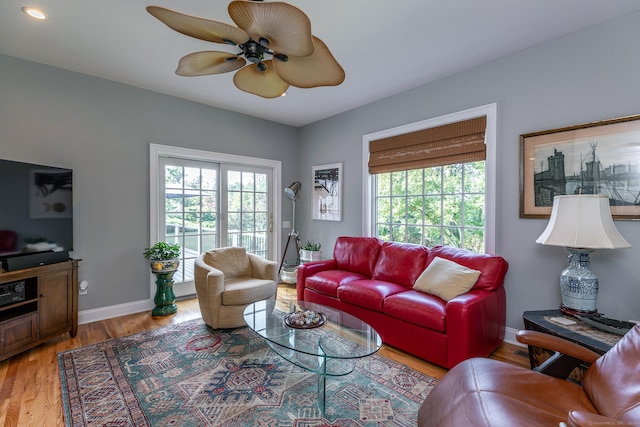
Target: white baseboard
510,337
102,313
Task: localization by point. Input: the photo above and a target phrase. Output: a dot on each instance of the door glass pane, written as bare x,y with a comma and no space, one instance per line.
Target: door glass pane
190,201
247,204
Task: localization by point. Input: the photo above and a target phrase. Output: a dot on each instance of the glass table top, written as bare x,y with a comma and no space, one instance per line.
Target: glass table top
340,338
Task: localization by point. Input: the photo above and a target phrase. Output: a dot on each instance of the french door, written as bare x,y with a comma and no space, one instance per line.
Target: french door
247,220
205,205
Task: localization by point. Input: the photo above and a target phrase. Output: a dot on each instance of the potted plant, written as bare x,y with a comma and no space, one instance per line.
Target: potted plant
310,252
164,261
163,257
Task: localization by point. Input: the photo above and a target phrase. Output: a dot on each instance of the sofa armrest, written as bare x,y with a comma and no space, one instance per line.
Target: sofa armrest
475,324
310,268
589,419
209,283
208,279
263,268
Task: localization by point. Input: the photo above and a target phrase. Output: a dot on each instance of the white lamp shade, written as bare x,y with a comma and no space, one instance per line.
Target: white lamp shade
582,221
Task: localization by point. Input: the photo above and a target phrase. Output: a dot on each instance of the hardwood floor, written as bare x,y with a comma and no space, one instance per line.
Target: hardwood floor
30,385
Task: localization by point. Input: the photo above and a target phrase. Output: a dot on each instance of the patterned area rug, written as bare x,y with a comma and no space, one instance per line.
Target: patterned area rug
190,375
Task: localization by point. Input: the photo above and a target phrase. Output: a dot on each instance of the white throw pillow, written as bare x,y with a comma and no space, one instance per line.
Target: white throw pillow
446,279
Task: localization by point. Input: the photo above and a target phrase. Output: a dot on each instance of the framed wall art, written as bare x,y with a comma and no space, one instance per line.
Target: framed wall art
326,198
593,158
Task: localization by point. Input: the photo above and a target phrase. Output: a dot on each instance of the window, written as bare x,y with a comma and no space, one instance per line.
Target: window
433,206
203,200
447,201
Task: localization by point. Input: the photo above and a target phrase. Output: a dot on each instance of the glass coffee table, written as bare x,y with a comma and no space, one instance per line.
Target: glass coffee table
331,347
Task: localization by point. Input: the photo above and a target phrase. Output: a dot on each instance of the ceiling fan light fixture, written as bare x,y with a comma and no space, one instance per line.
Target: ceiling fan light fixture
253,51
275,36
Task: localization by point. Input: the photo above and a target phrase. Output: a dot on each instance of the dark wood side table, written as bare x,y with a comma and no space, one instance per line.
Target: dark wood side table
550,322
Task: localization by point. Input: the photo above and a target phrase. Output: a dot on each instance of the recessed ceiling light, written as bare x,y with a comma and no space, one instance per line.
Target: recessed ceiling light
34,13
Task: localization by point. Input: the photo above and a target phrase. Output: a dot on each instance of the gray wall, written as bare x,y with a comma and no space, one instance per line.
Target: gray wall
102,130
587,76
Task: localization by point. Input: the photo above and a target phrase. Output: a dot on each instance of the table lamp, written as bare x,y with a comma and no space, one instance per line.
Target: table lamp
581,223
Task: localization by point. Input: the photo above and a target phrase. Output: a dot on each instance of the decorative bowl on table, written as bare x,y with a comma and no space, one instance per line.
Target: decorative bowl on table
304,319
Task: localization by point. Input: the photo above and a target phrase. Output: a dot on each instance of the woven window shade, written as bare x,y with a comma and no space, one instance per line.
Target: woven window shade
459,142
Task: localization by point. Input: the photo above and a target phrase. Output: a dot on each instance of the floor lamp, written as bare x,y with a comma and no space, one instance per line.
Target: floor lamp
292,193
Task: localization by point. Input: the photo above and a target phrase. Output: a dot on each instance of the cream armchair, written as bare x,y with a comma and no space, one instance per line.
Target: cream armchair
227,280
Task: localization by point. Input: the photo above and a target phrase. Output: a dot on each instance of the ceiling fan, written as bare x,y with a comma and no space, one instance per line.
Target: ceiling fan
275,40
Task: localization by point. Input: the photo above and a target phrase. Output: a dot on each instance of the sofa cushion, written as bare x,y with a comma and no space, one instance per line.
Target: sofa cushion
232,261
245,291
418,308
327,282
368,293
357,254
446,279
400,262
492,268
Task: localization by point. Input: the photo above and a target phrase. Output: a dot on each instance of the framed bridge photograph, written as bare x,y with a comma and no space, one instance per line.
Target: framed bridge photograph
593,158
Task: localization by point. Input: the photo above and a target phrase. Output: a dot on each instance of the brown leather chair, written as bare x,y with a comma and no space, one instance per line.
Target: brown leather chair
487,392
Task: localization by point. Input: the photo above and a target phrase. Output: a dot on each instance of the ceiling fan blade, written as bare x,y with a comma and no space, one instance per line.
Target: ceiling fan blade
318,69
266,83
200,28
208,62
286,27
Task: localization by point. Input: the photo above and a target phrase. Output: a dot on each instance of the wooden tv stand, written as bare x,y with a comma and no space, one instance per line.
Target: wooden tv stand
49,309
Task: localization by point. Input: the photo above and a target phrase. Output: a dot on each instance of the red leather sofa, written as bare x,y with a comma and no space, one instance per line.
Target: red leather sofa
373,280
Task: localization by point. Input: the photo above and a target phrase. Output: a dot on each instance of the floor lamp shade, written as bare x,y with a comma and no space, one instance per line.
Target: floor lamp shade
581,223
293,190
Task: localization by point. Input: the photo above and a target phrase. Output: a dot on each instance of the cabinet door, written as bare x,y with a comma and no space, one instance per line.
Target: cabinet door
18,332
55,303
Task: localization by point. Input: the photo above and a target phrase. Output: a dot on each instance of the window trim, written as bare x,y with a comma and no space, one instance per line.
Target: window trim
490,111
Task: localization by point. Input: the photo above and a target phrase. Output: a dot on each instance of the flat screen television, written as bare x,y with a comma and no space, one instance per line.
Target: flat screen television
36,209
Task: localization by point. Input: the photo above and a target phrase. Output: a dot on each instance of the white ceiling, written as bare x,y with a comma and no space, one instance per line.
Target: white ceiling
385,46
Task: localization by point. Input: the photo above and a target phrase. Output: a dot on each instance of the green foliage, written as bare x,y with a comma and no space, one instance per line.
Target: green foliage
162,251
433,206
312,246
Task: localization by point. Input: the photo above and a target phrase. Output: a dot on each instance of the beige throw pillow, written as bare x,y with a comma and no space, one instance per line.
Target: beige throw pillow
446,279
